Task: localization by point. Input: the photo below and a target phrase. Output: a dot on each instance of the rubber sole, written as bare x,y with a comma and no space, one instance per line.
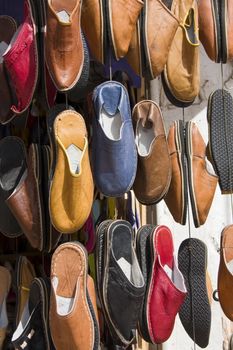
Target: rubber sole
219,114
195,313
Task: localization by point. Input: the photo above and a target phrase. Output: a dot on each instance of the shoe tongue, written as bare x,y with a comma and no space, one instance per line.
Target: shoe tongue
111,99
63,16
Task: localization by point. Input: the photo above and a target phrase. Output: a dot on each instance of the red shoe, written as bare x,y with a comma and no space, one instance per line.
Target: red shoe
166,290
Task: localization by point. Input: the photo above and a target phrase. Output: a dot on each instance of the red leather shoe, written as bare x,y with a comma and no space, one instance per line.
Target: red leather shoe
166,290
21,61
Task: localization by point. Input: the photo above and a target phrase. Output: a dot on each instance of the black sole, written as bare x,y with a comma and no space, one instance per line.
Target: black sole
195,313
219,114
223,30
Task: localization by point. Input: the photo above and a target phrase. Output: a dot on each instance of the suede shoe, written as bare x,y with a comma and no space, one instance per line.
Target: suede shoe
5,278
154,168
113,140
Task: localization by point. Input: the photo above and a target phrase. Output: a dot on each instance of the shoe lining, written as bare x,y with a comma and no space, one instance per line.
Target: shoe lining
74,154
144,138
63,16
190,25
3,48
13,40
230,266
22,323
3,314
175,276
111,125
209,167
64,304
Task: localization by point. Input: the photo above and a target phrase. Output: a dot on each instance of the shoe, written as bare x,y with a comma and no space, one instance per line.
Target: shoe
65,48
133,56
24,201
177,195
157,36
165,288
120,283
113,139
24,275
71,180
202,182
210,30
121,26
181,75
220,109
33,331
21,60
226,23
154,168
225,272
73,318
195,313
5,278
8,27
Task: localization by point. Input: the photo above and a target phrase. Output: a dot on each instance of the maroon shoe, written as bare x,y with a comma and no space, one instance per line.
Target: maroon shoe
166,288
21,60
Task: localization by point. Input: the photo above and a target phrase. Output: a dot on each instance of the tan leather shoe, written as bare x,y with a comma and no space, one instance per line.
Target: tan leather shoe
122,16
157,35
181,76
64,48
5,278
177,196
226,20
225,272
71,191
154,168
202,183
133,56
92,13
25,274
73,320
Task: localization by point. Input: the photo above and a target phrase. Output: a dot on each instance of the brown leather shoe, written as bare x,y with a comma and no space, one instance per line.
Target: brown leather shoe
5,278
122,16
202,183
154,168
157,36
226,21
181,76
73,319
225,272
133,56
65,52
8,27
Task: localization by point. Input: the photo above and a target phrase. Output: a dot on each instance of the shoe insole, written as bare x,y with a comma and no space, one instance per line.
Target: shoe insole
74,154
144,138
22,323
13,40
63,16
61,5
111,125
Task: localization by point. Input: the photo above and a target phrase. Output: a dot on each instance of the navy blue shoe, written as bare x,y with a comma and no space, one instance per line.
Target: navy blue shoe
114,154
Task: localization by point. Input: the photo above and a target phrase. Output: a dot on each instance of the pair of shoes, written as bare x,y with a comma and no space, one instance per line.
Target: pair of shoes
66,51
165,288
190,168
112,23
120,283
5,278
33,329
181,75
195,313
73,310
71,183
154,167
220,109
216,24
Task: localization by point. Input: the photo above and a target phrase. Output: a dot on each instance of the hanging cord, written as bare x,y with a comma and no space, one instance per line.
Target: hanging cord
190,249
227,137
66,97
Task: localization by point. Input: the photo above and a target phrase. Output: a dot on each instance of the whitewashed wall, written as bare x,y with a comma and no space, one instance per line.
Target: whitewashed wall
219,215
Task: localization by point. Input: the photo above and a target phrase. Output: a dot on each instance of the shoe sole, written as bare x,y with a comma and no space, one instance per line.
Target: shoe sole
219,115
218,41
146,63
223,27
195,313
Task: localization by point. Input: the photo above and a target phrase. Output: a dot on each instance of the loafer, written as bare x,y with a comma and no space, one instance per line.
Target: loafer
192,260
33,331
157,36
225,272
120,282
8,27
24,201
133,56
71,180
21,60
4,290
226,22
121,27
154,168
113,139
24,275
73,318
65,48
181,75
165,288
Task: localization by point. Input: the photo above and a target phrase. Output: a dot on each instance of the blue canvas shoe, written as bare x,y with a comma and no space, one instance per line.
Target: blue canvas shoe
114,155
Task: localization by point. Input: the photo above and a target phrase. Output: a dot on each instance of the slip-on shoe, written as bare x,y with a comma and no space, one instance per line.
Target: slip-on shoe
71,187
120,282
114,155
5,278
154,168
73,318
